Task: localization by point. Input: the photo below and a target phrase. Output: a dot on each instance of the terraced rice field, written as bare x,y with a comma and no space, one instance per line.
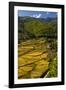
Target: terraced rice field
33,59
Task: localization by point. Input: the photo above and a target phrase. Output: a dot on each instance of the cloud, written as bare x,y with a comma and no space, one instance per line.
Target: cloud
47,13
37,15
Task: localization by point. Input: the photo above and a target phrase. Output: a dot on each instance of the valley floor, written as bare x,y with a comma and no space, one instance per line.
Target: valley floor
36,59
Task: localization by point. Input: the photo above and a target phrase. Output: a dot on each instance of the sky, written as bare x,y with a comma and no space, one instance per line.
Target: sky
37,14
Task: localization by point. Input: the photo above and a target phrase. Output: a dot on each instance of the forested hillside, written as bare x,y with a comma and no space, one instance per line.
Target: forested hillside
33,28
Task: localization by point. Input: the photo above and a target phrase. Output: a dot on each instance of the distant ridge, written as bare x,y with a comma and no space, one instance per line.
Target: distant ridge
48,19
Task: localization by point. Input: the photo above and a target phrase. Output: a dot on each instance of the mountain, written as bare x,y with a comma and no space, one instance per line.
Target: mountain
29,27
27,18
